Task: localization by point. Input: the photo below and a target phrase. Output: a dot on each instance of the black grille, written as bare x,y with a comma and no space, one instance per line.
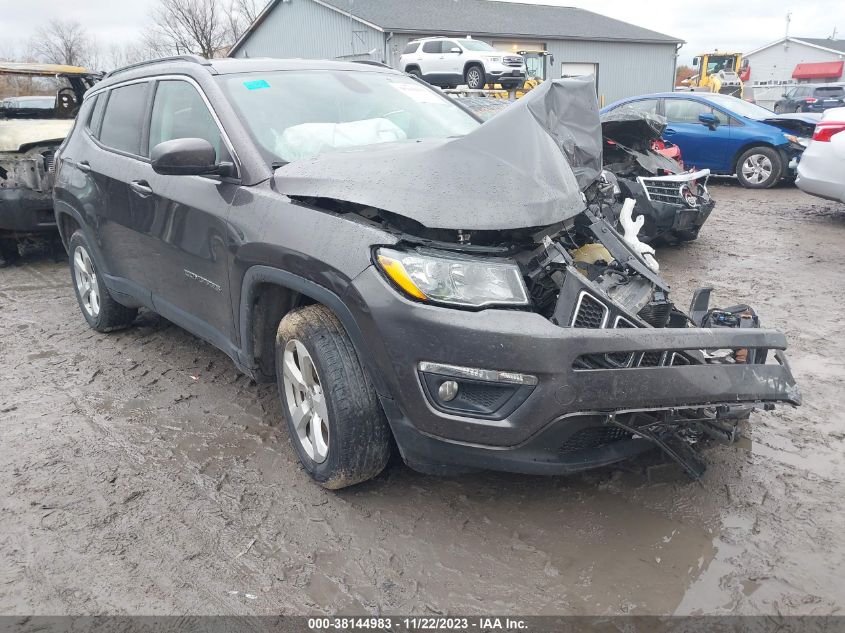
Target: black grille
650,359
656,313
487,397
621,359
593,437
590,313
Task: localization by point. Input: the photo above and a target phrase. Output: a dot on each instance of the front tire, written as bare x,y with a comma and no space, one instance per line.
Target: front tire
333,415
102,312
759,168
474,77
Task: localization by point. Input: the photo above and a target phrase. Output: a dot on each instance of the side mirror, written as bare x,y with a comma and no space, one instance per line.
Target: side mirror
696,61
187,157
455,49
710,120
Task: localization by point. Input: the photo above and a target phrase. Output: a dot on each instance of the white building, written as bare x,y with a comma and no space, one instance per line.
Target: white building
797,59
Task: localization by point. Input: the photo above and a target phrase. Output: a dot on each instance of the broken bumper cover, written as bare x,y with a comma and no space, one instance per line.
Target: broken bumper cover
537,435
24,210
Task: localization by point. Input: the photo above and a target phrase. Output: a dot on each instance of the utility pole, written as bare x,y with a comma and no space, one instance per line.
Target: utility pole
788,20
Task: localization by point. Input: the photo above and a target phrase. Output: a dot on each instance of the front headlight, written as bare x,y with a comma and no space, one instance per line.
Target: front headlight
798,140
495,60
452,279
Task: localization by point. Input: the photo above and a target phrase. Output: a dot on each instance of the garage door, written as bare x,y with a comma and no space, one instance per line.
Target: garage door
578,69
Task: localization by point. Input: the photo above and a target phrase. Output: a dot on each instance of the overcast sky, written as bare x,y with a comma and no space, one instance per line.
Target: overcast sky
705,25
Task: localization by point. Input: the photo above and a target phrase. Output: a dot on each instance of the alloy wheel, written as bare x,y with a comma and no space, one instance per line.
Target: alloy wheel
474,78
306,402
757,168
86,281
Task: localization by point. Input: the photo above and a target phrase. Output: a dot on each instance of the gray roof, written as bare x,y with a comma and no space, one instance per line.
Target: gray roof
837,45
485,18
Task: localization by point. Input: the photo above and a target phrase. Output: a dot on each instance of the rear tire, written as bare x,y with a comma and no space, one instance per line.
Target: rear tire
415,72
333,415
759,168
102,312
474,77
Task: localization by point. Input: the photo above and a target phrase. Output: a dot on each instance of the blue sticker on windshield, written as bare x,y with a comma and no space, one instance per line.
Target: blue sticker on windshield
257,84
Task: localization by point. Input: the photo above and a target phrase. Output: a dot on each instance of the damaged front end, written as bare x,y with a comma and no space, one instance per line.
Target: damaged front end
548,335
675,203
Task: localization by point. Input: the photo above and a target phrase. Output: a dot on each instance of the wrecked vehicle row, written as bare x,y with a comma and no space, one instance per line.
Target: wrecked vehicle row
31,129
674,201
371,270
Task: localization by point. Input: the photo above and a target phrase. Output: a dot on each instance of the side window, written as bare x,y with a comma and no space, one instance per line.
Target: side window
448,45
411,48
432,47
122,120
96,117
686,110
645,105
180,112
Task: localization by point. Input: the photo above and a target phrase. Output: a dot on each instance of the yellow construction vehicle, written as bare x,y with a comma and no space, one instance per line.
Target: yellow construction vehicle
538,67
719,72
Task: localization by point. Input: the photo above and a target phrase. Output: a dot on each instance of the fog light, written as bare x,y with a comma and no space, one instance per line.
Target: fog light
447,391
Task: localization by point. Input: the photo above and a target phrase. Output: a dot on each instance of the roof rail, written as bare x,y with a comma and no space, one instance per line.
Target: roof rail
370,62
194,59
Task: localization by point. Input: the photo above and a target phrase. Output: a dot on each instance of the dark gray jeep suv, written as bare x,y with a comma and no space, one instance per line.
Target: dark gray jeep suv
402,271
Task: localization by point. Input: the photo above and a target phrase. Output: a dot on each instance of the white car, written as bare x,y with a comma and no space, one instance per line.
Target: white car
821,171
450,62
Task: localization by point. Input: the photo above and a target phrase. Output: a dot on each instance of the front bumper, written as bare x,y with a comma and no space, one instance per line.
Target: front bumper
400,334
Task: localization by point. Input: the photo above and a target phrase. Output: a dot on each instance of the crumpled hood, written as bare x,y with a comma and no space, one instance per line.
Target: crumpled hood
525,167
801,123
15,133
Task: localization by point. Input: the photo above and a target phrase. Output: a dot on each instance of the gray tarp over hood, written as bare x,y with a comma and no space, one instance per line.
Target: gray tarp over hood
525,167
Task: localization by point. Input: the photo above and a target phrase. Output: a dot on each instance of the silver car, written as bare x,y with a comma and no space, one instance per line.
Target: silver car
821,171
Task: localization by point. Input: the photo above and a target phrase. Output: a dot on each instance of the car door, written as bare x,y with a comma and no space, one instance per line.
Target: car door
185,229
429,58
112,161
701,146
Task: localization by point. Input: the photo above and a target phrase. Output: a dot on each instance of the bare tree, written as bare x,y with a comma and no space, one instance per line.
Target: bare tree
63,42
198,27
201,27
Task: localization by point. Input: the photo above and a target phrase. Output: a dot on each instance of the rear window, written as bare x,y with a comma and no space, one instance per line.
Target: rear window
411,48
830,91
122,121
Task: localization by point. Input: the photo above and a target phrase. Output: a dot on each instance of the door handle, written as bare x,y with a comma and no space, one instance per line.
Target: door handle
141,187
668,132
83,166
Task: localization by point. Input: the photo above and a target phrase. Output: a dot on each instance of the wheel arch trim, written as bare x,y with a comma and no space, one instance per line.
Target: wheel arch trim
259,274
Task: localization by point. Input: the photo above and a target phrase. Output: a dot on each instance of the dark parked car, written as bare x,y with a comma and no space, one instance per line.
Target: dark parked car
811,98
331,226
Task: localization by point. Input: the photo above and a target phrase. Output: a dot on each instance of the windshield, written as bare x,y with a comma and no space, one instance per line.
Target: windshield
476,45
715,63
298,114
740,107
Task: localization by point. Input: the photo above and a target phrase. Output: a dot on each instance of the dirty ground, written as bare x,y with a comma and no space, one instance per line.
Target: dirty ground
140,473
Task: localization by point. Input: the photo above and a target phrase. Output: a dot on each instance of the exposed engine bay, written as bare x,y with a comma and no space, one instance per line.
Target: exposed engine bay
587,270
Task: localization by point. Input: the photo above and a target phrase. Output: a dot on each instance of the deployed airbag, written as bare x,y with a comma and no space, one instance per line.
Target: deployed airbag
525,167
310,139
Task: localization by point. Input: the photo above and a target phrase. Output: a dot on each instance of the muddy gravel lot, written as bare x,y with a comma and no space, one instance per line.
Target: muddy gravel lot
141,474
